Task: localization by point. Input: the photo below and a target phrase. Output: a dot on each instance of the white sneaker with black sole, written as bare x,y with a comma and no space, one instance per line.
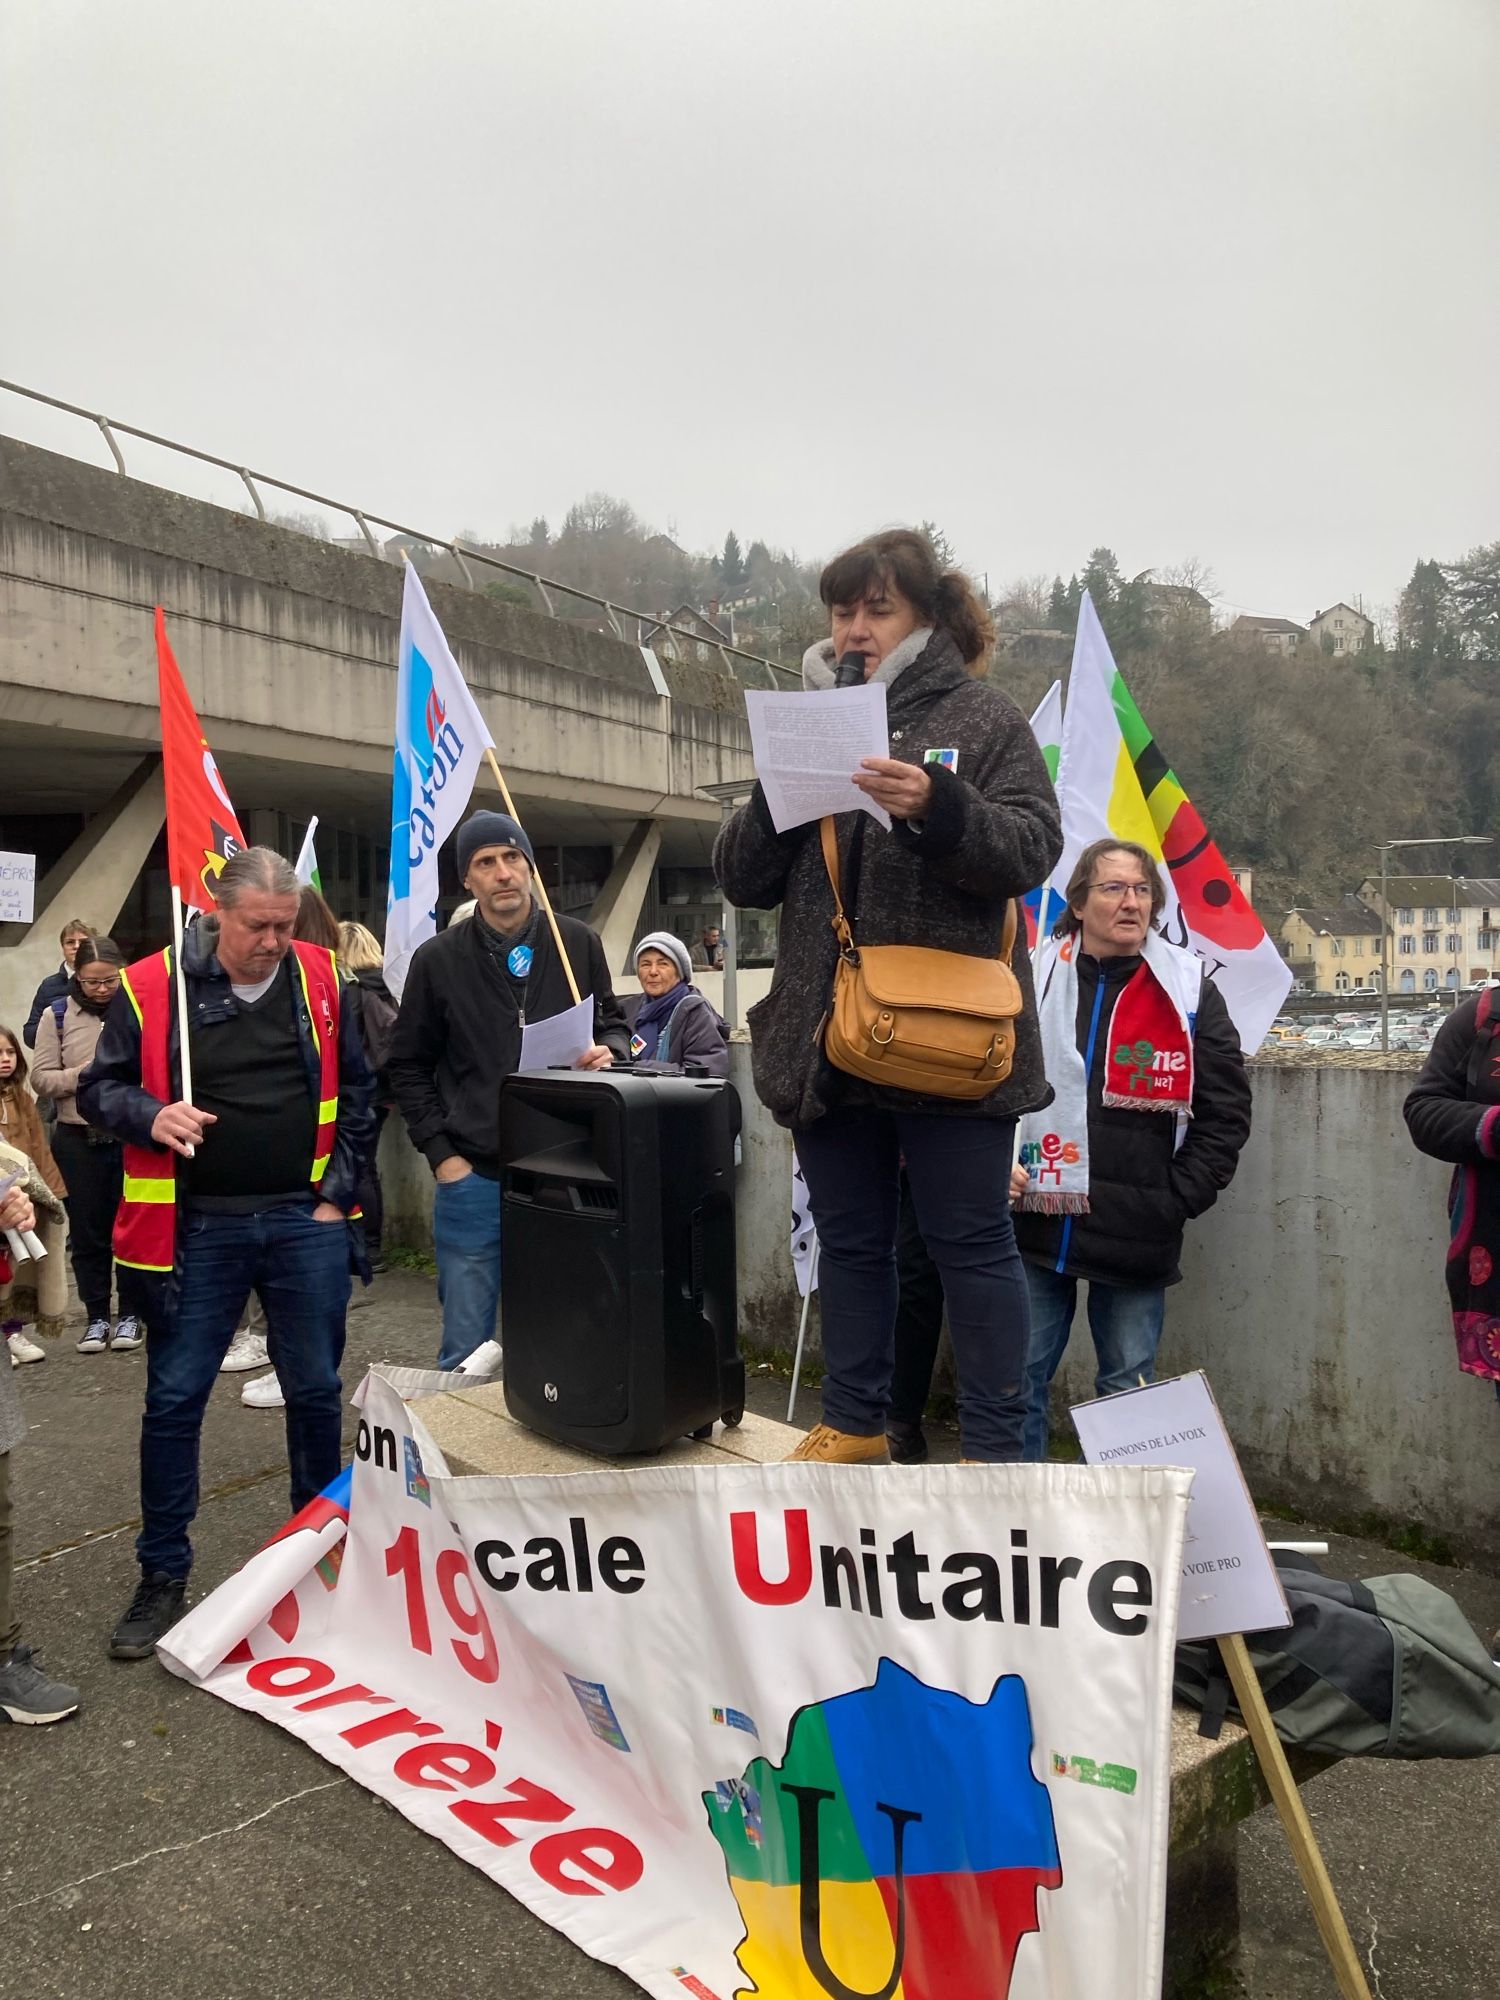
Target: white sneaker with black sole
96,1337
129,1333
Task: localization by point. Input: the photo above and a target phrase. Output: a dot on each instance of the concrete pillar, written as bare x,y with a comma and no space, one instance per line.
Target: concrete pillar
617,908
92,881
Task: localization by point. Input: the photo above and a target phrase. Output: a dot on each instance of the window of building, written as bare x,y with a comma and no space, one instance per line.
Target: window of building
1429,941
1430,915
1359,947
1408,981
1336,946
1454,942
1429,980
1486,938
1404,916
1406,944
1341,982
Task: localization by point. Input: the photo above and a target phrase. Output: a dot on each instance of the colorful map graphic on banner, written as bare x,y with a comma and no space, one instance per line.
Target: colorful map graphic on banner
898,1848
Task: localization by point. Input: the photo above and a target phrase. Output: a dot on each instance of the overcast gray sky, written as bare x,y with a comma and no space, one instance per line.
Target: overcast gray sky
1183,276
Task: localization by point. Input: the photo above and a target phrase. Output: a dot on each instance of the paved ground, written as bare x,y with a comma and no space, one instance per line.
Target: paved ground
167,1843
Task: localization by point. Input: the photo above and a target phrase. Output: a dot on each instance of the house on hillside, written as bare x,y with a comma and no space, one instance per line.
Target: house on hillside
1341,629
1174,604
1277,635
1444,930
1333,950
670,636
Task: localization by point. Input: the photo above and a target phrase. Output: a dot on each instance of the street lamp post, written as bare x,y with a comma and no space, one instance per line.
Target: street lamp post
1383,847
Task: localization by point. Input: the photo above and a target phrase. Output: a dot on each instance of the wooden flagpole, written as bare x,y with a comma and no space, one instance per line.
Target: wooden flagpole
1342,1956
541,887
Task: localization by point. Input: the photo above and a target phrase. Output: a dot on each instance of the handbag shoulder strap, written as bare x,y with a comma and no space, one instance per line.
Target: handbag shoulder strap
828,834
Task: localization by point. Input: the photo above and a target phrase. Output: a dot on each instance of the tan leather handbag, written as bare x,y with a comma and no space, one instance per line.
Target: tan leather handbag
937,1022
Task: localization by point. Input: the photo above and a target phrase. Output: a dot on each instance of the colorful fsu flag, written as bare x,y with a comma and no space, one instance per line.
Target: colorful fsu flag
202,830
1046,727
441,739
1113,779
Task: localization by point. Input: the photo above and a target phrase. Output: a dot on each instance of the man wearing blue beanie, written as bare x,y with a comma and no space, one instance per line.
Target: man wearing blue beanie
469,992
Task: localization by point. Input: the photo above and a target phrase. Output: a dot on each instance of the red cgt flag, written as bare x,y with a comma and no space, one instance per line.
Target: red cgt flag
202,831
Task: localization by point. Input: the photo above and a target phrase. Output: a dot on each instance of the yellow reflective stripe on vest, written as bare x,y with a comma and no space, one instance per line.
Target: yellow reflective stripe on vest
149,1190
140,1019
328,1110
134,1264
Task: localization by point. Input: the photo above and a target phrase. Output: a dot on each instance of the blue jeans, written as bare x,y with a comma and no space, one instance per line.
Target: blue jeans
1125,1320
301,1270
958,1169
466,1236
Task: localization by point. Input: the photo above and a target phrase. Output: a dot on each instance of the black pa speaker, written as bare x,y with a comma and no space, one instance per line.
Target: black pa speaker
617,1278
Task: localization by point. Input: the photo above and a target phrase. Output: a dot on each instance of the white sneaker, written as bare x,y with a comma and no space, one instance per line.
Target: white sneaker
485,1360
96,1338
129,1333
23,1350
247,1350
264,1393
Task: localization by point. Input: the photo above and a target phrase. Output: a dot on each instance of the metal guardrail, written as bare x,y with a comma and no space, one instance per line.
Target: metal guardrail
770,673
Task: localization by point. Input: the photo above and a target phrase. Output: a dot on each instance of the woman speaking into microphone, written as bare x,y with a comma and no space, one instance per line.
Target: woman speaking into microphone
900,1024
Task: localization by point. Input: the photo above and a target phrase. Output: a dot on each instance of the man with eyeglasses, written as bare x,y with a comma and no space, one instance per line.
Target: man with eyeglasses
1150,1112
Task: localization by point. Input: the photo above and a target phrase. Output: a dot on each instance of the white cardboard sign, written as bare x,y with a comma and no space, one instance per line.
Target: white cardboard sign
17,888
1229,1581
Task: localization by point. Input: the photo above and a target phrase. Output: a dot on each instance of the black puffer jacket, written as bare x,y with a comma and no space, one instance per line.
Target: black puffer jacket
1140,1193
992,832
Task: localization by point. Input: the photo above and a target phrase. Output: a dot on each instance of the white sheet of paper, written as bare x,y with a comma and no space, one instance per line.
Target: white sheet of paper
559,1040
807,748
1229,1580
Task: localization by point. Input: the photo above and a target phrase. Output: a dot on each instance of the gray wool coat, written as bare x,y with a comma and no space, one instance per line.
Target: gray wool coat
992,833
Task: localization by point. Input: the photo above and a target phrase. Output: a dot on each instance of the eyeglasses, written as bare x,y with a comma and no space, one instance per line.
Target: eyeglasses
1116,892
106,985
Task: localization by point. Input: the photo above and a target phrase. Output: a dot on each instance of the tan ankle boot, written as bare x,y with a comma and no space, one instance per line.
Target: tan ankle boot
831,1447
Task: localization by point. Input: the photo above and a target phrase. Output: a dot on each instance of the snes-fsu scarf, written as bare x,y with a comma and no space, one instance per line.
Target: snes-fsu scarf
1148,1064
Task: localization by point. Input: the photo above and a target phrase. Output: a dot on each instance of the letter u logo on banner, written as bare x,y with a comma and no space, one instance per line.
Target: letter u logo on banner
809,1798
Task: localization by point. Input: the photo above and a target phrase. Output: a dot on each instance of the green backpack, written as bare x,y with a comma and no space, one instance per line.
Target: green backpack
1386,1668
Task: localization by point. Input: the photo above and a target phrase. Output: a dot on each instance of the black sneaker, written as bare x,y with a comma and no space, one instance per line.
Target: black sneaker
29,1695
155,1608
908,1446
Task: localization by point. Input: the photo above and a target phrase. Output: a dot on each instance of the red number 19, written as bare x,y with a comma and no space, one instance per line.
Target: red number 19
455,1583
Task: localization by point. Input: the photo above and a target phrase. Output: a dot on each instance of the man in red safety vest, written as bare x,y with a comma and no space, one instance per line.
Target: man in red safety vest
249,1186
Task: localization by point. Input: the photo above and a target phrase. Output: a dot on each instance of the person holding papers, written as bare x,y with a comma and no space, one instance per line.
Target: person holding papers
469,993
974,824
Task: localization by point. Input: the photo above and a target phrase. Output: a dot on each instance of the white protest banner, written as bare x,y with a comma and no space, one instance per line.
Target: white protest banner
1229,1580
794,1730
441,739
17,888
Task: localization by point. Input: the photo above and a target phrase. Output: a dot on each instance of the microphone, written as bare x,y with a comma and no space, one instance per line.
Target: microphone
851,671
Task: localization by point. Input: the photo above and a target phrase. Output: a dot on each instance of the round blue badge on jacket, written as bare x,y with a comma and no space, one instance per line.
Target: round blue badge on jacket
519,961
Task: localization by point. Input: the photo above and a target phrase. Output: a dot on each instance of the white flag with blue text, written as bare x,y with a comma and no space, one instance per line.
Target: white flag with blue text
440,741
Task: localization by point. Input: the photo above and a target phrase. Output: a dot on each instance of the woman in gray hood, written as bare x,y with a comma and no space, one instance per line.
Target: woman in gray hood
975,824
675,1023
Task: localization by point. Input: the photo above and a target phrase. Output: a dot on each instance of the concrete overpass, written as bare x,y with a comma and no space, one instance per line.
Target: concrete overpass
288,647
